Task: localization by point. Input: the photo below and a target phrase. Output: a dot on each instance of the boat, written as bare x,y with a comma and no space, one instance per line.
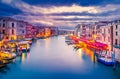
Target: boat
29,40
24,46
7,55
68,38
106,61
70,42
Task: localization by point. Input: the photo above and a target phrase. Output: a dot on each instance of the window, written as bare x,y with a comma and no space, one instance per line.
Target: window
116,27
108,30
104,31
3,20
7,37
108,39
3,31
12,25
116,41
116,33
104,38
22,31
3,25
12,31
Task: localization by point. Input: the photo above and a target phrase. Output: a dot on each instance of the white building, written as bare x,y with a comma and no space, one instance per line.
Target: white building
12,29
6,24
83,30
21,29
116,38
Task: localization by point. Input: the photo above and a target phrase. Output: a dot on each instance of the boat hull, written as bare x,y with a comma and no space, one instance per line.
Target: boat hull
25,50
108,63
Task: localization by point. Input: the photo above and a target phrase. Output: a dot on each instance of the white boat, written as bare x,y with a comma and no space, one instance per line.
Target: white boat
106,61
24,46
29,40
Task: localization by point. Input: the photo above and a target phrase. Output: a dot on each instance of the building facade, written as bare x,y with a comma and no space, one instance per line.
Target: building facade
31,31
8,26
116,38
12,29
105,35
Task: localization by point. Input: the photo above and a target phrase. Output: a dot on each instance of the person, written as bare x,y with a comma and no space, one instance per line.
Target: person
16,48
20,50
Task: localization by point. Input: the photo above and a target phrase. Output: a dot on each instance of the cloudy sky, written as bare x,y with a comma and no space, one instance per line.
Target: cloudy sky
61,12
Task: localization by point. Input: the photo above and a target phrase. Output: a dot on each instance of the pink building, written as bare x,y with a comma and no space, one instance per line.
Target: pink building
31,31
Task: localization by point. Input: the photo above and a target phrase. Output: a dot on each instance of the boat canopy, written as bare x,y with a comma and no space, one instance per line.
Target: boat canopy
23,42
28,39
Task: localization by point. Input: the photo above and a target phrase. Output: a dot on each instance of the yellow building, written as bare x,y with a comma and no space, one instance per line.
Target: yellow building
47,32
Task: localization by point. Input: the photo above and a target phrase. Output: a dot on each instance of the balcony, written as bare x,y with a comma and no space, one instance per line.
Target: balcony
117,46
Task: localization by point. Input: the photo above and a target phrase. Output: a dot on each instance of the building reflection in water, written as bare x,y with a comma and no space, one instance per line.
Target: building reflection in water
91,54
37,42
47,41
80,54
88,52
24,56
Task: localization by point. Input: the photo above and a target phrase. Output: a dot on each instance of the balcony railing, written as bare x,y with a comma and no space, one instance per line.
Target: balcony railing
117,46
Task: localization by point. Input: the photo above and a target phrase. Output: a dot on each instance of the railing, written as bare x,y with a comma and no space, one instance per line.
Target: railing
117,46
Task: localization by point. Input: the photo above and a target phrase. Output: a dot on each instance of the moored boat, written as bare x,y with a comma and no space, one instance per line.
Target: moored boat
7,56
106,61
29,40
24,46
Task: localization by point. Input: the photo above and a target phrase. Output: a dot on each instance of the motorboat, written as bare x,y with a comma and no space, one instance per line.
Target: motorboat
29,40
24,46
106,60
7,55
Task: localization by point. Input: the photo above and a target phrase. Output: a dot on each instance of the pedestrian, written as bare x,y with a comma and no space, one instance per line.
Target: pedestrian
20,50
16,48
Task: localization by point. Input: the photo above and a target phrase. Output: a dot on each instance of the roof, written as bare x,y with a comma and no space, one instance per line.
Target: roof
7,19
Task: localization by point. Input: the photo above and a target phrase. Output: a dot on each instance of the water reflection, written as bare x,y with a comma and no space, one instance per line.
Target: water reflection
88,52
80,54
25,56
47,41
53,59
13,63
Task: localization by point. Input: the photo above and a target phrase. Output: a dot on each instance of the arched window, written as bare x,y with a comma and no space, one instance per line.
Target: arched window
12,25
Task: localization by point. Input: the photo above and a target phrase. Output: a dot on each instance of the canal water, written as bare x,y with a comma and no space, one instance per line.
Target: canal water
52,58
